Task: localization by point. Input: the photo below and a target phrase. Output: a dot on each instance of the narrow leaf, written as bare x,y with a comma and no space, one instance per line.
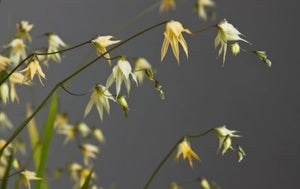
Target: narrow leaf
5,177
46,144
87,181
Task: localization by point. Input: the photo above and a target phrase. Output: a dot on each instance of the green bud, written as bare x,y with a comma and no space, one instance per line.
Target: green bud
240,153
204,183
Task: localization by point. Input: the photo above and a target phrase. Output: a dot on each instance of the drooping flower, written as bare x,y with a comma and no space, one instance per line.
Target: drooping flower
83,129
185,149
61,120
99,135
173,35
166,5
27,176
88,151
74,169
201,4
32,69
101,42
23,28
100,97
226,32
16,78
55,43
17,51
4,91
174,185
4,62
143,68
225,136
68,130
120,73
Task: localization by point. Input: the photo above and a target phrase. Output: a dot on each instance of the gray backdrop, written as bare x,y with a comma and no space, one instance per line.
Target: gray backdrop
260,102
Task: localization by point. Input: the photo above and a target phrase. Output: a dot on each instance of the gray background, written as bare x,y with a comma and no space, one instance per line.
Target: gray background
245,95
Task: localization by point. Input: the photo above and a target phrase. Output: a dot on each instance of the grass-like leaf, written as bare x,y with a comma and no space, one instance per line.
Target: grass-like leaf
87,181
5,177
45,145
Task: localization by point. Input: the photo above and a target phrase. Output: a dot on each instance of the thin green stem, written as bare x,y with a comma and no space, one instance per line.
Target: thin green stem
133,19
162,163
170,153
36,53
44,102
204,29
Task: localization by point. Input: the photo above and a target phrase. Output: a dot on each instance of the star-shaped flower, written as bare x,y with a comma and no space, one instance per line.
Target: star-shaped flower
16,78
173,35
166,5
201,4
100,97
120,73
185,149
101,42
226,32
23,30
32,69
225,136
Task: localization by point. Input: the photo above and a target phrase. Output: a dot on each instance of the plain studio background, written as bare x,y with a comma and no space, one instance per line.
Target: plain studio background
260,102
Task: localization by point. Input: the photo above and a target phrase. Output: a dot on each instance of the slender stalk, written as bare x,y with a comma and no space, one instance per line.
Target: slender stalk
133,19
36,53
44,102
204,29
170,153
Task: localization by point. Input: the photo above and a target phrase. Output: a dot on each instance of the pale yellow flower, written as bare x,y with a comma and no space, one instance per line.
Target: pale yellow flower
101,42
143,68
201,4
61,120
226,32
120,73
185,149
225,136
55,43
4,90
100,97
74,169
173,36
17,51
83,129
23,30
89,151
32,69
4,62
27,176
99,135
166,5
69,131
16,78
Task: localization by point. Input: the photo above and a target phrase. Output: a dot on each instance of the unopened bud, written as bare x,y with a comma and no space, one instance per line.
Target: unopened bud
235,48
99,135
122,101
4,90
204,183
158,87
240,153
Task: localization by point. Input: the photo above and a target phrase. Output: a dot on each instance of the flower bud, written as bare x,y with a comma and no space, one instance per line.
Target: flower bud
122,101
235,48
